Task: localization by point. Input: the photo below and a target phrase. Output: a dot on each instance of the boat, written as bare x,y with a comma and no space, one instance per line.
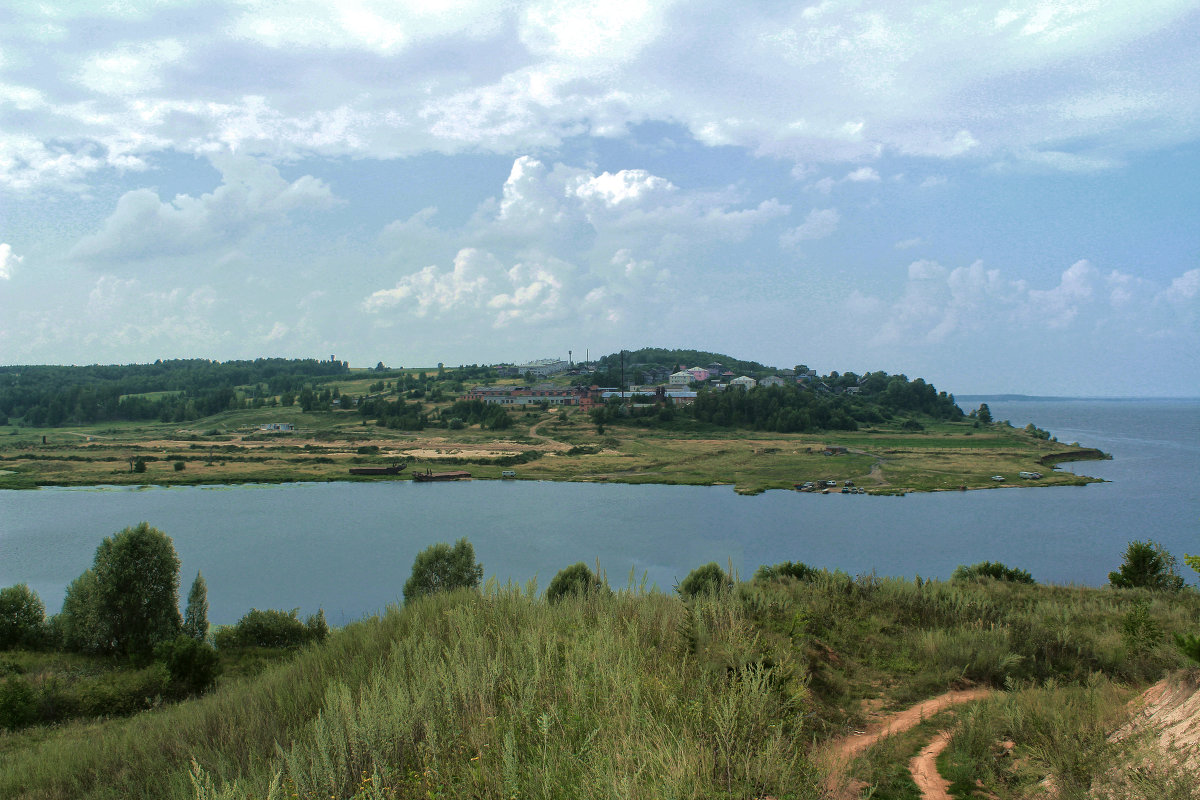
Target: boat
394,469
429,475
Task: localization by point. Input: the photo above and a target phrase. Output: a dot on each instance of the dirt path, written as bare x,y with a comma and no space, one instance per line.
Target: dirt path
554,444
843,751
925,772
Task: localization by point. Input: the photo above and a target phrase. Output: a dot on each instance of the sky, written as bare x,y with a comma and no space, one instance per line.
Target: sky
995,196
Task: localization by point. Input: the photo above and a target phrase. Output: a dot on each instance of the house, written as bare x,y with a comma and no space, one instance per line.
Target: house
681,379
699,374
543,367
772,380
277,427
835,450
744,382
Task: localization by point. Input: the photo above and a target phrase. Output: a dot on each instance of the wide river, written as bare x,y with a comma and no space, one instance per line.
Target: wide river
348,547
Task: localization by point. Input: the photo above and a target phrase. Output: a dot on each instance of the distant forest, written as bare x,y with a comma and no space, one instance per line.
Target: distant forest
176,390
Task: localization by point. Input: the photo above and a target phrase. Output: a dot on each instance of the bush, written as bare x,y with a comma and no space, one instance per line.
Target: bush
576,579
270,628
788,569
442,568
22,618
179,465
1147,565
994,570
18,706
708,579
192,665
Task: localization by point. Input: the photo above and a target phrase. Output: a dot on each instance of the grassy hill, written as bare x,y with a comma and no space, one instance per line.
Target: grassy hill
500,693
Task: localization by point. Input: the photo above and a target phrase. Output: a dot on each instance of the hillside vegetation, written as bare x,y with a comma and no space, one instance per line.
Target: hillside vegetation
733,692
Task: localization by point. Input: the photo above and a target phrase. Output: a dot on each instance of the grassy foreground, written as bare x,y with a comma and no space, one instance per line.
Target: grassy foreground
636,694
561,445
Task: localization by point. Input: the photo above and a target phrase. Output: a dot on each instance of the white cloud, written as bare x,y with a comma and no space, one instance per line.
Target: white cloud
863,175
820,223
908,244
251,195
8,259
565,241
130,69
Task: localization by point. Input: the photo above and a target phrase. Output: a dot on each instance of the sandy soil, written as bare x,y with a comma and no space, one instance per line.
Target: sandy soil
843,750
925,772
1171,710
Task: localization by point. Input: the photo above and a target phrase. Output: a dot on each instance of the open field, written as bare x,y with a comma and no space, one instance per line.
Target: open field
541,445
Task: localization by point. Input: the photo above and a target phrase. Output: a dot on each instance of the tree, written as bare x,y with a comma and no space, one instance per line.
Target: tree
193,665
195,617
22,618
984,414
994,570
1147,565
576,579
442,568
80,626
708,579
137,589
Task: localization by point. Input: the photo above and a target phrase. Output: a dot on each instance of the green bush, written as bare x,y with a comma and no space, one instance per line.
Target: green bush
994,570
576,579
269,628
179,466
787,569
440,567
22,618
1147,565
18,704
708,579
192,665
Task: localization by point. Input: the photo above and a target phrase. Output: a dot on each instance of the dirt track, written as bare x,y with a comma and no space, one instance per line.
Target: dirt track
923,767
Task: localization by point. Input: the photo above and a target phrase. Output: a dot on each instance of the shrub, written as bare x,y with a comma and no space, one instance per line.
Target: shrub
708,579
179,465
994,570
22,618
270,628
18,706
193,665
440,567
787,569
576,579
1147,565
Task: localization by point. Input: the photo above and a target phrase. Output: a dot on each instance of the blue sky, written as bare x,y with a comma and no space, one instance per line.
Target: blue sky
998,198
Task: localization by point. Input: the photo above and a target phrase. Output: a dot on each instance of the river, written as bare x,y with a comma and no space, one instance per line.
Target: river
348,547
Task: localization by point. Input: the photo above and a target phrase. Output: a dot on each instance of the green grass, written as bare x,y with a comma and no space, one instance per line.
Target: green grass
499,694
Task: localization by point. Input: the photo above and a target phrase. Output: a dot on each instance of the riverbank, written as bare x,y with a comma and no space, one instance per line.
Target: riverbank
231,448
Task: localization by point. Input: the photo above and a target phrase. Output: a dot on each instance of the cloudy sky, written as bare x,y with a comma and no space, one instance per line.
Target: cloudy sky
997,196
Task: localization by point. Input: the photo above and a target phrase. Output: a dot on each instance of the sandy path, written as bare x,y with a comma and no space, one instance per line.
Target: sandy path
842,751
925,772
554,444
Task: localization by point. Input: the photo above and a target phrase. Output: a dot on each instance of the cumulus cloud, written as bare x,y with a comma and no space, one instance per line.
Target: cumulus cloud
252,194
937,304
861,79
8,259
820,223
563,241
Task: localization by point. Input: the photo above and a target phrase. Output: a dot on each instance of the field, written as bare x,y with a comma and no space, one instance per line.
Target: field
556,445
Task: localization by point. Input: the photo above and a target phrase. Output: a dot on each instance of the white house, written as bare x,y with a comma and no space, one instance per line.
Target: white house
744,382
681,379
772,380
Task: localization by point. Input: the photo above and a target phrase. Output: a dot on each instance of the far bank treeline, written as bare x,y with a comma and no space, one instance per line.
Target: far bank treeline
190,389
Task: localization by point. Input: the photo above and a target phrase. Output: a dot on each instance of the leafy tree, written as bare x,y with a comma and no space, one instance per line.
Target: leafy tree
317,627
1147,565
576,579
984,414
708,579
22,618
129,600
195,616
18,703
994,570
80,626
269,628
443,568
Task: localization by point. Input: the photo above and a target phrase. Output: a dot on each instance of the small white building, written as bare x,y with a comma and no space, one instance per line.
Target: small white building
681,379
772,380
543,367
745,382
